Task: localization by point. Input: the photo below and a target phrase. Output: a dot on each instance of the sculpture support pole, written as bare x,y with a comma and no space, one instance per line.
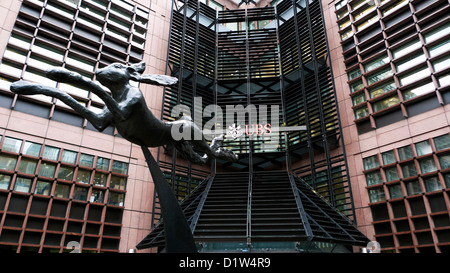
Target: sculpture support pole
179,237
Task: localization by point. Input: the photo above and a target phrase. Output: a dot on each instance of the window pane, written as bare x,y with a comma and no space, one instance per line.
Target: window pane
80,193
62,190
83,176
420,90
43,187
97,196
379,76
409,169
447,180
359,99
410,62
376,63
120,167
405,49
388,157
413,187
118,182
371,162
354,74
386,103
47,169
356,86
86,160
102,164
379,90
437,33
395,191
361,112
4,181
11,145
51,153
423,148
22,184
377,195
442,142
444,161
405,153
441,64
391,174
444,80
373,178
65,173
8,162
100,179
116,199
27,166
32,149
69,157
432,184
439,48
414,76
427,165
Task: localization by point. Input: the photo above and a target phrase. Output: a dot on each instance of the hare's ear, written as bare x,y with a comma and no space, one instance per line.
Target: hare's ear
136,70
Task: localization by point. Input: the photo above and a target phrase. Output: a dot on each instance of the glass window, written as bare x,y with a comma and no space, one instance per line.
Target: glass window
377,195
364,11
373,178
339,5
100,179
8,162
384,88
116,198
391,174
354,74
364,24
406,48
86,160
414,76
47,169
102,164
395,191
213,4
444,80
413,187
447,180
442,142
409,169
444,161
32,149
65,173
405,153
118,182
439,48
342,14
427,165
120,167
356,86
27,166
393,7
361,112
97,196
385,103
51,153
69,157
371,162
442,63
359,99
437,33
11,145
423,148
417,91
432,184
410,62
378,76
83,176
80,193
22,184
62,190
43,188
344,24
4,181
388,157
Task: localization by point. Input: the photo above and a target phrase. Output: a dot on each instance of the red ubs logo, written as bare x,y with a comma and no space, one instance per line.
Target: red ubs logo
250,130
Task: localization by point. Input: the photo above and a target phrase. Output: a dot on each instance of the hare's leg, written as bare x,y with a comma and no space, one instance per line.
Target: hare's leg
99,121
